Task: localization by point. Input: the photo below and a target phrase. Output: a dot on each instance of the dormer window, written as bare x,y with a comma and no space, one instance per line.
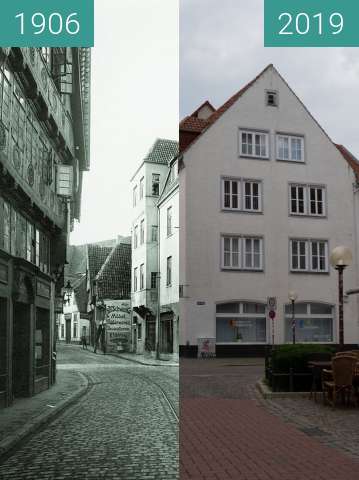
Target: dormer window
271,99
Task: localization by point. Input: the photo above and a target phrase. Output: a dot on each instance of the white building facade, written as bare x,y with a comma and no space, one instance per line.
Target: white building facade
146,186
169,263
264,197
71,327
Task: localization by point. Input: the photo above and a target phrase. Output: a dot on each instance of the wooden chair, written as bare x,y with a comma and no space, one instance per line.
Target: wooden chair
342,382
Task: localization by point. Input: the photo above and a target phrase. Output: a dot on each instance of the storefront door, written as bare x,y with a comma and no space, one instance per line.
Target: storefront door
3,349
167,334
21,350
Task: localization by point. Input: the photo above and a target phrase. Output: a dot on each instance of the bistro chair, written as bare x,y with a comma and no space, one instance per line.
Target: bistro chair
341,383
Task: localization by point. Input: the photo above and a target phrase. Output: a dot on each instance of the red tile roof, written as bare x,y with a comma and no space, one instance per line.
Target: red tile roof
349,157
193,124
197,125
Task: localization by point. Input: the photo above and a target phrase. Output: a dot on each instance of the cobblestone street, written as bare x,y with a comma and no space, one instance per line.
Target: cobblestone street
125,427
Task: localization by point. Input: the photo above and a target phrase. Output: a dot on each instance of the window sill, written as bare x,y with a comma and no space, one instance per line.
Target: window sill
242,270
253,157
307,215
300,162
248,212
309,272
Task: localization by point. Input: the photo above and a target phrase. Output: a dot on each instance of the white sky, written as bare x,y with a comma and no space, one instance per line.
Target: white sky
134,101
221,49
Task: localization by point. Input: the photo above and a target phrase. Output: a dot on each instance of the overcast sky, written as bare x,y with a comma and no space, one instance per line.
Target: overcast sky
221,49
135,87
134,101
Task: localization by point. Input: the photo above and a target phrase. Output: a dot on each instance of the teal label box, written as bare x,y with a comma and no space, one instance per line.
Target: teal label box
311,23
50,23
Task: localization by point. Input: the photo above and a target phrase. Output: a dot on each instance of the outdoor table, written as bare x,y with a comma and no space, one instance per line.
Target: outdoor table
317,367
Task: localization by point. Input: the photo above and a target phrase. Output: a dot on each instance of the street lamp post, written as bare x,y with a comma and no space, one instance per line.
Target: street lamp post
293,297
340,258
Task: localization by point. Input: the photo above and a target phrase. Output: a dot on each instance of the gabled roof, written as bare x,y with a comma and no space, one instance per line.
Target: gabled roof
114,277
162,151
81,295
192,127
204,104
198,126
96,258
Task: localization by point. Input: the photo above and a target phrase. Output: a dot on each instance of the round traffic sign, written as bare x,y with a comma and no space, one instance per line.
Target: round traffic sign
272,314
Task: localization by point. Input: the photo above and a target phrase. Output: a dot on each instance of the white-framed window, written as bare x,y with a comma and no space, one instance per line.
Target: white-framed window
297,199
316,201
241,194
307,200
252,196
142,276
155,184
134,196
314,322
135,279
231,194
241,322
242,253
142,187
253,144
252,253
290,148
154,233
169,271
169,221
309,255
135,237
142,232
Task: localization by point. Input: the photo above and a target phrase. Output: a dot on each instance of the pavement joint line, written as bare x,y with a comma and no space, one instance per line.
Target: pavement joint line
33,426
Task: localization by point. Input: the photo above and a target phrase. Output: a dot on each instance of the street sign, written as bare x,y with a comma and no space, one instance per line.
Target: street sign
271,314
272,303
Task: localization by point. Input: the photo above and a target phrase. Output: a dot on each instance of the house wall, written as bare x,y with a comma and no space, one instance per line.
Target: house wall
169,247
216,154
146,253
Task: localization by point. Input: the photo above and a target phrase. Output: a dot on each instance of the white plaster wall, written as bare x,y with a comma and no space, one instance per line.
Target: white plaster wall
216,154
169,246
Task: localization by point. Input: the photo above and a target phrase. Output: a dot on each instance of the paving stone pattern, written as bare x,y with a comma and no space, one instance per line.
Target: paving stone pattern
229,432
122,429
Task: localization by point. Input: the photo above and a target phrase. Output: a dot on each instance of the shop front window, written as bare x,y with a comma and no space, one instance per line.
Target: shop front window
239,322
313,322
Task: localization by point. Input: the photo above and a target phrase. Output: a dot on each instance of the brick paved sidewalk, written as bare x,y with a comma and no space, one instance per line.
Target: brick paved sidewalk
225,439
26,415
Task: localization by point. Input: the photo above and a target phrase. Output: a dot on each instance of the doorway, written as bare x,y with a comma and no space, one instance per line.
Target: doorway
3,350
167,333
21,359
68,329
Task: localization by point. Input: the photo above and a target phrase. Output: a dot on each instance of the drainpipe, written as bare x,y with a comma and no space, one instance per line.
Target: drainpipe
158,285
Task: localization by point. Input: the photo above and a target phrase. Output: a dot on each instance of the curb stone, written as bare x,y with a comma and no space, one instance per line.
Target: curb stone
152,364
267,393
33,426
